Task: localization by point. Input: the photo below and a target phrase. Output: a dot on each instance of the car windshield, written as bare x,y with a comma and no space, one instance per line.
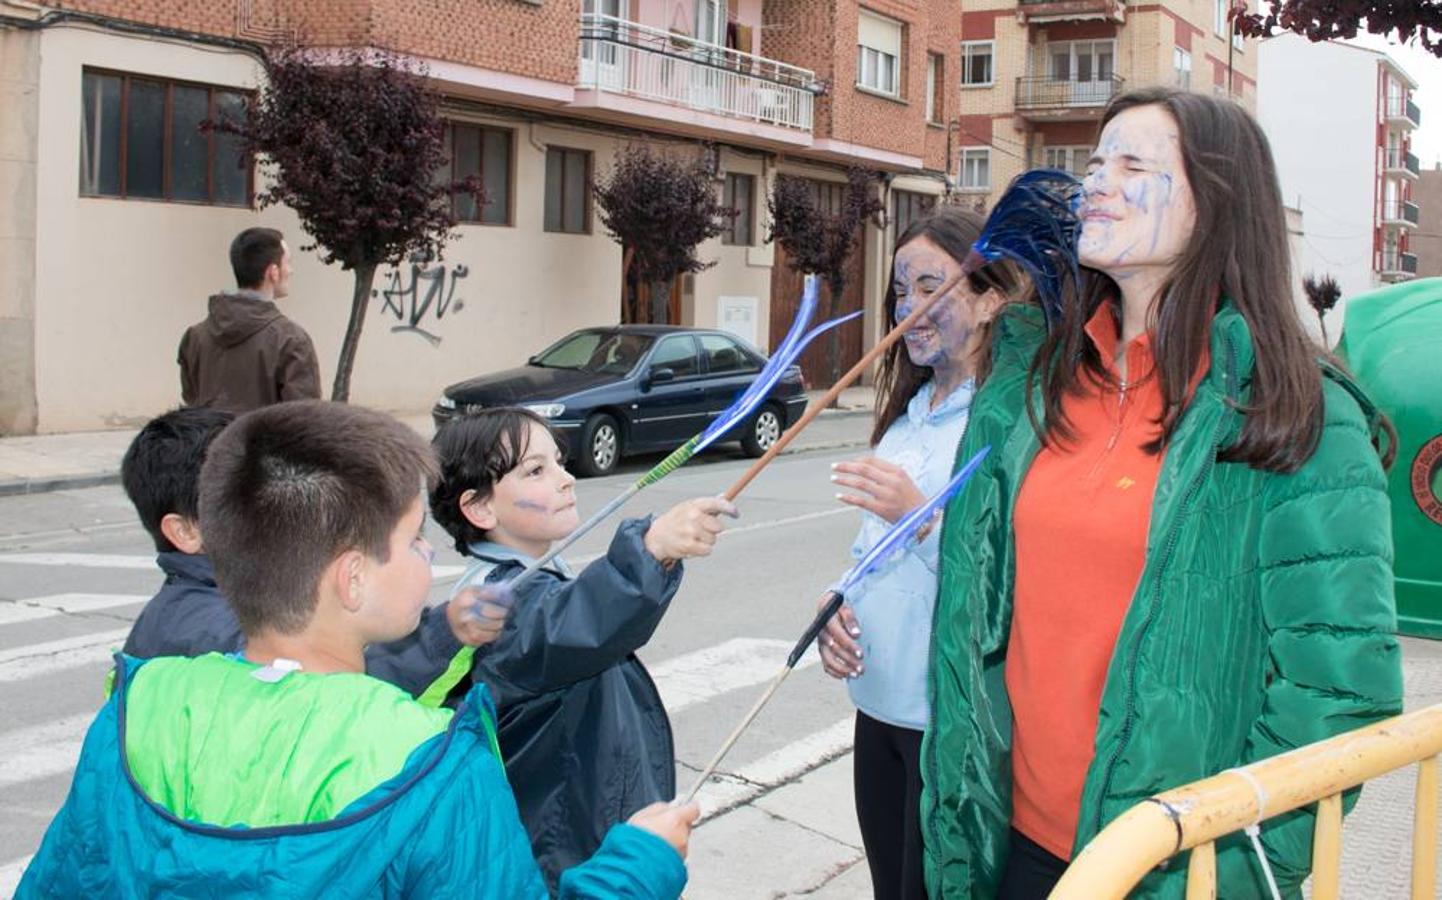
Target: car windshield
607,352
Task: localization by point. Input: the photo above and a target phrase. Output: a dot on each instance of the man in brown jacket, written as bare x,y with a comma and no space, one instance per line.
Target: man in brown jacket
246,354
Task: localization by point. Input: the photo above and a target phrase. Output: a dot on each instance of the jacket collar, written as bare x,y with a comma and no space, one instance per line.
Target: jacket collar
188,566
919,410
499,553
1233,355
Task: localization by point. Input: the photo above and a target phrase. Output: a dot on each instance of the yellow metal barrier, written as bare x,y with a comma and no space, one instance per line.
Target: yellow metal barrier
1195,816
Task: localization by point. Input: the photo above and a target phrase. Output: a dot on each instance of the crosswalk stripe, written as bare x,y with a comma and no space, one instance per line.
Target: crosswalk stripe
10,876
118,561
29,754
684,681
55,604
693,678
35,660
80,560
728,790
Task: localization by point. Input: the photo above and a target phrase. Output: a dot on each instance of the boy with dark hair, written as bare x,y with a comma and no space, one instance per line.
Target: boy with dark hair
246,354
286,770
161,475
189,617
583,730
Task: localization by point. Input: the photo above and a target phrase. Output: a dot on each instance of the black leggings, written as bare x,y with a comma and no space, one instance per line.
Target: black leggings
1031,870
887,781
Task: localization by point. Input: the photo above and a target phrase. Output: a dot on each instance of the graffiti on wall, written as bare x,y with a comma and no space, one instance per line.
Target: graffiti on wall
422,302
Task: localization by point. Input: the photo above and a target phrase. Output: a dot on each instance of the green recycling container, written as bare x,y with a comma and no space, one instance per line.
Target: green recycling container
1392,341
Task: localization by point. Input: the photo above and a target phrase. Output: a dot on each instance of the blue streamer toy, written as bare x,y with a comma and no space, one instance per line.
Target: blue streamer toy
790,348
895,536
1036,224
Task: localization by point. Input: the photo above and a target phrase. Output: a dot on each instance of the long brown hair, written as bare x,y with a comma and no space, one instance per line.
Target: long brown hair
898,379
1238,251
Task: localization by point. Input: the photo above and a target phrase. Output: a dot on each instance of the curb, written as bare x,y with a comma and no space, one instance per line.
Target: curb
19,487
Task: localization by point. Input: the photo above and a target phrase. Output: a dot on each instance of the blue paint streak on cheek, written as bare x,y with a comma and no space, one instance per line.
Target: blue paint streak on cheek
1161,216
530,505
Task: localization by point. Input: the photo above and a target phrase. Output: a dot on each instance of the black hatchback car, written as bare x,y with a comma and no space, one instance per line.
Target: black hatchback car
633,389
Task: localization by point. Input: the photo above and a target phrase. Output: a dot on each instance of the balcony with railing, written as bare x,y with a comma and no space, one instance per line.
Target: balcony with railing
1041,98
1402,164
620,58
1038,11
1401,214
1398,265
1403,113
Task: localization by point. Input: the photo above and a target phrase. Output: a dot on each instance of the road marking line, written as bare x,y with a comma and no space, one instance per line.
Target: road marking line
10,876
80,560
56,604
790,520
12,611
728,790
35,660
692,678
29,754
118,561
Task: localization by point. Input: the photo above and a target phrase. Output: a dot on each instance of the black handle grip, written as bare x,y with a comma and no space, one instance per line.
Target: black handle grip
812,630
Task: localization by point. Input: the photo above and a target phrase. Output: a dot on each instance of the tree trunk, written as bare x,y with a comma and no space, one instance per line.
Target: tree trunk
365,276
659,308
837,283
628,301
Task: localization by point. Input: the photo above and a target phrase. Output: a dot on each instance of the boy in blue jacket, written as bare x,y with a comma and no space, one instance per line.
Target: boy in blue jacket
188,616
285,770
583,731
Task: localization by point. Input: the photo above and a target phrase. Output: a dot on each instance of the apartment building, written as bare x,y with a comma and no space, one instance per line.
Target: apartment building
1426,242
1343,146
1037,74
117,215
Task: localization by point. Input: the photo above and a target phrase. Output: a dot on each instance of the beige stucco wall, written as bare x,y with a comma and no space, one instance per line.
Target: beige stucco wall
739,272
19,124
117,281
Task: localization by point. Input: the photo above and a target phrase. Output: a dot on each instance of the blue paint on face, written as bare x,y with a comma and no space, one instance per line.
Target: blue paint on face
940,341
1138,210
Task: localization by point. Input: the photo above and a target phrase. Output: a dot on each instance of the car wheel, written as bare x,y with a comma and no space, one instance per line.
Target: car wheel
763,431
600,448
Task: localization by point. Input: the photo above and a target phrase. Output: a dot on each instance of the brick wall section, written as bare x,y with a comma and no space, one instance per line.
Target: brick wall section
821,35
502,35
509,36
1426,241
944,37
213,17
803,33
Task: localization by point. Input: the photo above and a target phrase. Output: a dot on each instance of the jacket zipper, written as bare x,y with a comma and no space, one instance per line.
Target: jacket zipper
1169,548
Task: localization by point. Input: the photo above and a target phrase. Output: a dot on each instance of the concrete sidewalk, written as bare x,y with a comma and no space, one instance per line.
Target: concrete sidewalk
800,839
53,462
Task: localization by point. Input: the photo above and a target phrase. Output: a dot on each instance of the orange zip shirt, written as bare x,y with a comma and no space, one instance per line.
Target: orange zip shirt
1081,526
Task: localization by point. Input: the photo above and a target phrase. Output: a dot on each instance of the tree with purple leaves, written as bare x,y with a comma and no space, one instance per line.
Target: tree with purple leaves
1321,20
659,207
351,140
818,241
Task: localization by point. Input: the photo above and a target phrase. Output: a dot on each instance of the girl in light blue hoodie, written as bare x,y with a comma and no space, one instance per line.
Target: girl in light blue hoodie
878,641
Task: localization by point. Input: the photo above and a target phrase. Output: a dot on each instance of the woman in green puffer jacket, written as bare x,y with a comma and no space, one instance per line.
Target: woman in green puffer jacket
1177,558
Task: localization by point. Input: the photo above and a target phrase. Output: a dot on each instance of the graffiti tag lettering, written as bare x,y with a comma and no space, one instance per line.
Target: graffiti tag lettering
431,292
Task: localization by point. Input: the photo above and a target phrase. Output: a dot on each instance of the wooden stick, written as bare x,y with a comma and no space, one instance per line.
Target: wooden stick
823,615
735,735
816,406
